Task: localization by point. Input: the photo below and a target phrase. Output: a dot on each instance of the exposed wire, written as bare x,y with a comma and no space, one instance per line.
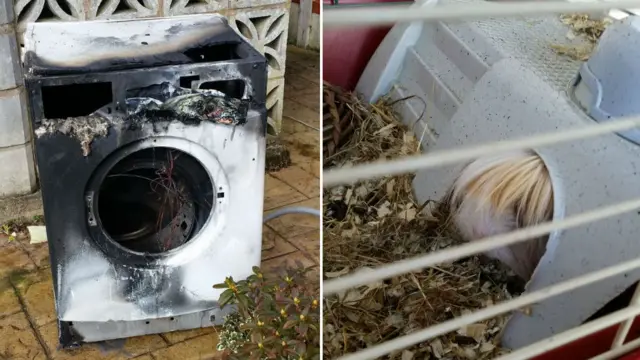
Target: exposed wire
351,174
493,242
389,15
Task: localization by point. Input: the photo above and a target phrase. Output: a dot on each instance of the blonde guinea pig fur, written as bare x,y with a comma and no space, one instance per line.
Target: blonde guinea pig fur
499,194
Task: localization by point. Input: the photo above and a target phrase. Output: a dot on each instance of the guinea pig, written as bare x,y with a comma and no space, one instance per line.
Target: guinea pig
499,194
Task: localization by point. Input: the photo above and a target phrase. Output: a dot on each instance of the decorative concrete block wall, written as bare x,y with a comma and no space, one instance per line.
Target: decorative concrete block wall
17,174
264,23
267,29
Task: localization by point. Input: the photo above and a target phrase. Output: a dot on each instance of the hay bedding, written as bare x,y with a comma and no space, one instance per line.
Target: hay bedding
581,25
377,222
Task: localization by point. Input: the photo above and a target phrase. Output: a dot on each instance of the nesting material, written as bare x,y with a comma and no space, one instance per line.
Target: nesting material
377,222
581,25
340,116
576,52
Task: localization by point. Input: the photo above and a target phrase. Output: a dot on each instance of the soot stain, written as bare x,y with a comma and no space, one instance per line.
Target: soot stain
108,41
164,103
158,105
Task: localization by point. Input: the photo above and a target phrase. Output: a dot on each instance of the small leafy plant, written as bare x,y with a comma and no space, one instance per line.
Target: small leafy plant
6,229
277,318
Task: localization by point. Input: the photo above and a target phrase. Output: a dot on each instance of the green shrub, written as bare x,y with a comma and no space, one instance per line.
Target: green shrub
277,318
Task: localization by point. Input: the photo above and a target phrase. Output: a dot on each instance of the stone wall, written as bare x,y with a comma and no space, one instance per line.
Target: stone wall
264,23
17,169
313,40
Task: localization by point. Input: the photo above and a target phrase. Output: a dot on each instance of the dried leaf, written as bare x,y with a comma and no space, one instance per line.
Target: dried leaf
391,188
348,196
408,214
475,331
487,347
396,291
395,320
349,233
335,274
436,348
352,316
407,355
361,191
469,353
384,209
385,131
371,303
351,296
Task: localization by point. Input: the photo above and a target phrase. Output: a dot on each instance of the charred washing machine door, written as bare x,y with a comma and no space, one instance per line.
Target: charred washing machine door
154,200
151,165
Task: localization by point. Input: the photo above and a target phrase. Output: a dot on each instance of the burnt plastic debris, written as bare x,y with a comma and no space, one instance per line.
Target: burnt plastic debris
165,102
156,104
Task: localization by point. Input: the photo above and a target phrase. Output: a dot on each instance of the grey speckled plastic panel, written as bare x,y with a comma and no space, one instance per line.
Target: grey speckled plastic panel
492,80
454,55
586,175
527,40
610,78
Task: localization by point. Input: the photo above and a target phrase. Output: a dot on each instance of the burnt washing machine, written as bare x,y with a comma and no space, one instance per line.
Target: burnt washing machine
150,144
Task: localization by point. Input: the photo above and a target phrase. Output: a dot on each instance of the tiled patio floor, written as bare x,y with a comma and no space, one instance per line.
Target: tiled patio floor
27,318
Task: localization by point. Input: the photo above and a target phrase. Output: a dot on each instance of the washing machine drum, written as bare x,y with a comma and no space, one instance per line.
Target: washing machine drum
147,201
153,200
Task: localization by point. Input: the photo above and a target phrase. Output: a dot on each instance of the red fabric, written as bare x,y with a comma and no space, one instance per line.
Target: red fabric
635,355
593,345
346,52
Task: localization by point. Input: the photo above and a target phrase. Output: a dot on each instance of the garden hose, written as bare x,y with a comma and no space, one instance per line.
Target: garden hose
291,210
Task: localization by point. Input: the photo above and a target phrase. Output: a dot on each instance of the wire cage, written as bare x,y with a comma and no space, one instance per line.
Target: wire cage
610,335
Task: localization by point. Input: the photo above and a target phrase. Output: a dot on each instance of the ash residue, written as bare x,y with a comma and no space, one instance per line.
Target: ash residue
278,156
83,128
